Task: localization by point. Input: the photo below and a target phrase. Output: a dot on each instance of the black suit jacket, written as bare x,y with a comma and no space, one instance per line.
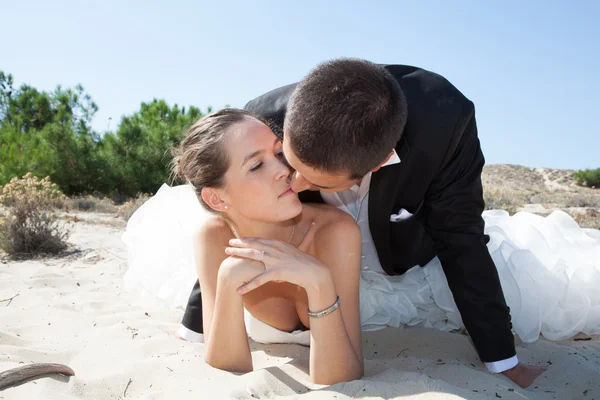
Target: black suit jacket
439,181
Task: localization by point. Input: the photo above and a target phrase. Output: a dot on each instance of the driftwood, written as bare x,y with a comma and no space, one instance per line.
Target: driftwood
20,375
9,300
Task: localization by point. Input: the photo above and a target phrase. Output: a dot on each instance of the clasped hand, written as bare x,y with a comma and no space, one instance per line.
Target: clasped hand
283,262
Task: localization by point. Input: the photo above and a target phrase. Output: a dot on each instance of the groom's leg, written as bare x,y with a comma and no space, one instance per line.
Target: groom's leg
191,328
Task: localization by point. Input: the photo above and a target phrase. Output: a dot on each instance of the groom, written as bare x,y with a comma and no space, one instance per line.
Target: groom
397,147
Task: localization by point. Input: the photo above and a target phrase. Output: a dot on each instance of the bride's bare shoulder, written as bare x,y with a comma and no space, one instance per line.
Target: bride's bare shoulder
334,235
214,232
325,213
329,220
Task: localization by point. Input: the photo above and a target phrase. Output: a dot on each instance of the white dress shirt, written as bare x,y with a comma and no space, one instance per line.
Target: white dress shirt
355,201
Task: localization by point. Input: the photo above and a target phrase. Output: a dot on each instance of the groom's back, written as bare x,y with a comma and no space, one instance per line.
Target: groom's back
427,93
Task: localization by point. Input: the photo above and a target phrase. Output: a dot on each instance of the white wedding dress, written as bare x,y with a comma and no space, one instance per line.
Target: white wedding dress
549,269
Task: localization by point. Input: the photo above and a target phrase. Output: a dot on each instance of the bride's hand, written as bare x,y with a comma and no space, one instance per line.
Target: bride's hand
235,272
283,262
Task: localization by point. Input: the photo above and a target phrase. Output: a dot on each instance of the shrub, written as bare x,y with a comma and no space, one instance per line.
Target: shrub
496,200
588,219
28,227
127,209
588,177
88,203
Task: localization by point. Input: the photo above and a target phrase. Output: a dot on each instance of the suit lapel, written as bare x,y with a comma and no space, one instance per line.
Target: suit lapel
382,195
403,149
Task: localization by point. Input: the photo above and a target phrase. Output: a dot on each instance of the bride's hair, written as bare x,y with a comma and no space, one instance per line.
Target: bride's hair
200,158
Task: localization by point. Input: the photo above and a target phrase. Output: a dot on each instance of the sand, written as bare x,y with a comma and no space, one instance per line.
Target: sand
73,310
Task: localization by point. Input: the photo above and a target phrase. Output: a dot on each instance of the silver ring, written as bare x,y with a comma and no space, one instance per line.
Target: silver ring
262,255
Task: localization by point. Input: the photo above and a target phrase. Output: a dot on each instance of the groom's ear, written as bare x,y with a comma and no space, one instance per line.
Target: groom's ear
383,162
213,199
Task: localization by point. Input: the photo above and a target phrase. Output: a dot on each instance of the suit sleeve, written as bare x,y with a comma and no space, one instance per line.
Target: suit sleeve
271,107
454,204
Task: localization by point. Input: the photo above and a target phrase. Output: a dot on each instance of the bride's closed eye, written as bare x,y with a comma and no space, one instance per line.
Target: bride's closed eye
256,167
259,164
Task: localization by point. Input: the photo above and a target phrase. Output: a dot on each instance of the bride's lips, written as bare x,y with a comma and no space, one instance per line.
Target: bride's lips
287,192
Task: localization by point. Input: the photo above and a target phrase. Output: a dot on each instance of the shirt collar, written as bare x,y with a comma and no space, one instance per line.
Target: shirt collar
363,189
394,159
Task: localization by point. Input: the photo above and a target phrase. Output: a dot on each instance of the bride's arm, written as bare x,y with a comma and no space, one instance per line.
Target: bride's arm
225,334
336,346
335,353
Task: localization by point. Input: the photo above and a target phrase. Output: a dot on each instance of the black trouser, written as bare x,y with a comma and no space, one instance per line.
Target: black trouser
192,318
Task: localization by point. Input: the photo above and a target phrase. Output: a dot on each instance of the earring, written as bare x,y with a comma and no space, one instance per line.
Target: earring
225,207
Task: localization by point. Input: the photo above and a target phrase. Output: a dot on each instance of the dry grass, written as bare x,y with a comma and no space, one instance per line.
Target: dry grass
93,219
588,219
88,204
511,187
497,200
126,210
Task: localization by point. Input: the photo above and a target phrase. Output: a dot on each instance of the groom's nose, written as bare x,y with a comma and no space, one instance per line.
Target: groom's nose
299,184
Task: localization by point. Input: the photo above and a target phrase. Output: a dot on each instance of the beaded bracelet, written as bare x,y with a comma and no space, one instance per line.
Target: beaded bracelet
326,311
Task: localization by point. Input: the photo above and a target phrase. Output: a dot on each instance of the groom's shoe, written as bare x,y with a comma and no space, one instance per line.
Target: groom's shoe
191,328
189,335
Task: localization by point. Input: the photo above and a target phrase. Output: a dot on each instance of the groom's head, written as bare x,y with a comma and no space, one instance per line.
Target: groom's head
343,120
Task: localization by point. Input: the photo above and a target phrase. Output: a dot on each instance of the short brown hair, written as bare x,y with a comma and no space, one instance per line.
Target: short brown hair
346,116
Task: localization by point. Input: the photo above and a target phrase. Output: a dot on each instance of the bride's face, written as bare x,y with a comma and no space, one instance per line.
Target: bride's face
258,180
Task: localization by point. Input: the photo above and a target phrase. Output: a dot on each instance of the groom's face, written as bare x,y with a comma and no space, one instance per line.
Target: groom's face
308,178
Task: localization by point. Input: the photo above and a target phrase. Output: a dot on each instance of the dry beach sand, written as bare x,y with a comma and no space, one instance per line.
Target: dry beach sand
72,310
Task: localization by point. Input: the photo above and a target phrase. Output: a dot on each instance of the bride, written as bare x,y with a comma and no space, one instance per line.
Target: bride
239,187
309,280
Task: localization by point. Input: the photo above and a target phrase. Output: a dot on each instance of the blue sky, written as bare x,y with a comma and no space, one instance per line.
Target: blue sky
530,67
